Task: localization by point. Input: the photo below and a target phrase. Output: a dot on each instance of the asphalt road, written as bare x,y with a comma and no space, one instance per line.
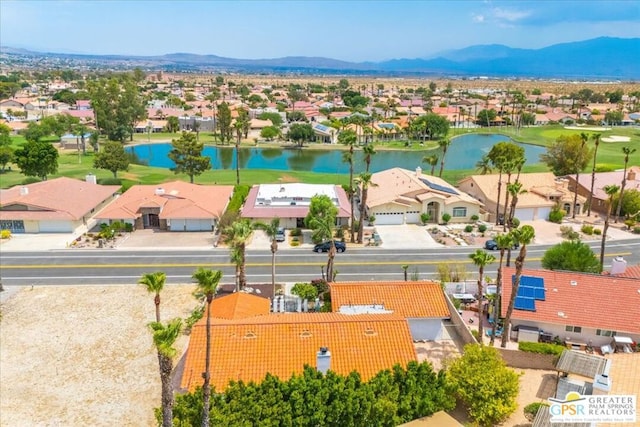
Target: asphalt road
119,266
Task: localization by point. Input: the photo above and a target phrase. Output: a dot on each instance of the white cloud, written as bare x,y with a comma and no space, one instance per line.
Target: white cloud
479,19
510,15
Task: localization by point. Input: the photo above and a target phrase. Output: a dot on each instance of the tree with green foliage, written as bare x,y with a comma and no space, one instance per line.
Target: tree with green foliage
354,99
349,138
112,157
296,116
572,255
432,161
612,191
6,150
321,218
583,142
523,236
486,117
305,291
613,118
276,118
300,132
484,165
154,283
269,132
207,281
444,146
364,181
505,156
627,151
484,384
224,122
173,124
567,155
37,158
164,338
271,230
505,242
596,140
186,153
481,259
236,236
431,126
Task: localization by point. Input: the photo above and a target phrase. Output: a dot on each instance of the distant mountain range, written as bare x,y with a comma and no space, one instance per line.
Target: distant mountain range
601,58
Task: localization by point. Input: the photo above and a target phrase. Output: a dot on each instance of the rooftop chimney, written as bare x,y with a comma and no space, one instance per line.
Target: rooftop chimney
323,360
631,175
91,179
618,266
24,191
159,191
418,171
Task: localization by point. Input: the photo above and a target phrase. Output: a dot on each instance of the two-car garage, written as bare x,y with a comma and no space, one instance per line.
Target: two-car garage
200,224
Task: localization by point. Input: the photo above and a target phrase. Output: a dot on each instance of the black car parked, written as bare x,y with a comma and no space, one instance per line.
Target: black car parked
492,245
325,246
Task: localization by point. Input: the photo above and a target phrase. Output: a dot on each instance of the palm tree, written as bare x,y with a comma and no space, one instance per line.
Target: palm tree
499,163
207,281
481,259
432,160
236,236
596,140
584,138
515,189
611,191
484,165
444,144
164,336
509,166
368,151
237,126
323,227
523,236
504,242
364,179
627,152
349,137
271,230
154,282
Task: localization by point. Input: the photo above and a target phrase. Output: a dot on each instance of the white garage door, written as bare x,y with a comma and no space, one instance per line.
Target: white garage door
543,213
55,227
413,217
198,225
389,218
525,214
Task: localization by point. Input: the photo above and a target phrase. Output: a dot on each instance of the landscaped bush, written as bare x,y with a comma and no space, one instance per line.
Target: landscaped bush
597,231
569,233
5,234
446,218
556,215
424,218
468,228
30,180
294,243
515,223
636,230
110,181
482,228
630,223
474,217
587,229
532,409
541,348
295,232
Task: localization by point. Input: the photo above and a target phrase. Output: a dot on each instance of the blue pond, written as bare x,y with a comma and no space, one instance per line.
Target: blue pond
463,153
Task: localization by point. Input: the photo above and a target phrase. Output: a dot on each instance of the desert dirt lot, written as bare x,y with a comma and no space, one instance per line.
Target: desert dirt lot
82,355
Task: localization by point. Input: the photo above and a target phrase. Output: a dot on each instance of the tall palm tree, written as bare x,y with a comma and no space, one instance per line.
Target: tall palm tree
236,236
432,161
484,165
349,138
238,127
481,259
627,152
207,281
523,236
369,151
584,138
323,227
364,180
271,230
444,144
596,140
515,189
499,163
154,282
164,337
611,191
509,167
504,242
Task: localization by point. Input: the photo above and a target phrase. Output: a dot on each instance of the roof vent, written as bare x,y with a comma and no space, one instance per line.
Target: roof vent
561,314
306,334
159,191
91,178
574,283
323,360
24,191
369,332
618,266
250,335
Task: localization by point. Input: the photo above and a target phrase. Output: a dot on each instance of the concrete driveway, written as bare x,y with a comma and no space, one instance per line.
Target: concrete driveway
407,236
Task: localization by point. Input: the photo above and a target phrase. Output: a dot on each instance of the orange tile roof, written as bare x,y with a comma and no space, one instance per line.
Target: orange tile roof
406,299
239,305
281,344
595,301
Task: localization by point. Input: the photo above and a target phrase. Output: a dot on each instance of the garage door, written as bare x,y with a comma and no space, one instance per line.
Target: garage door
389,218
55,227
197,225
413,217
525,214
543,213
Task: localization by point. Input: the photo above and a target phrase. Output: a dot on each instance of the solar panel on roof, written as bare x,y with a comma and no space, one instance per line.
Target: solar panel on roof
322,128
524,303
529,292
438,187
532,281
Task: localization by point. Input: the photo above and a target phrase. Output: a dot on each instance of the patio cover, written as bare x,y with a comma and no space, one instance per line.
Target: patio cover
586,365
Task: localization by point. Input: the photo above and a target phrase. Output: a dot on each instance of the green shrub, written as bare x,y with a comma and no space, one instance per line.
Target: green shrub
195,315
468,228
556,215
515,223
532,409
541,348
294,243
128,227
597,231
110,181
569,233
30,180
636,230
482,228
629,223
446,218
425,218
474,217
587,229
295,232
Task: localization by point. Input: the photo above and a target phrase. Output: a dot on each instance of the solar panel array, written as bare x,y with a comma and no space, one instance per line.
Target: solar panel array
531,289
438,187
322,128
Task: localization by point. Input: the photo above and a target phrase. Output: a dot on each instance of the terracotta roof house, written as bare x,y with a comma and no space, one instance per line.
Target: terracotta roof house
58,205
543,192
602,179
400,196
423,304
239,305
282,344
172,206
290,202
579,308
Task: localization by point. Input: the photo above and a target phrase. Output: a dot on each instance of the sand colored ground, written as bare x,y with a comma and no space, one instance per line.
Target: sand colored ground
82,355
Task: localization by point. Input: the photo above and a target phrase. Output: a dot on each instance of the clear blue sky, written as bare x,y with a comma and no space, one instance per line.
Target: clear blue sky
348,30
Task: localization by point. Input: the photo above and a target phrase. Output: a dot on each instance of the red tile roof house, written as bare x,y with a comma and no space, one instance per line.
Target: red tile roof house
422,304
400,196
290,203
602,179
577,307
60,205
172,206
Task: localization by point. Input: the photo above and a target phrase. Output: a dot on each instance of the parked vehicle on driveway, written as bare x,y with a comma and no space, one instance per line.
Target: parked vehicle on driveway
492,245
280,235
325,246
